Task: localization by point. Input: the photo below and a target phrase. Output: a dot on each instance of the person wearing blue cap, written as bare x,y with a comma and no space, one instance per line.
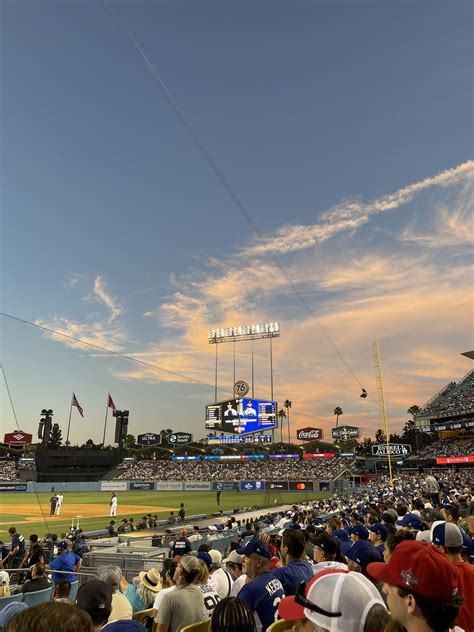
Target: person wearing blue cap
67,561
9,611
378,536
264,591
361,554
358,532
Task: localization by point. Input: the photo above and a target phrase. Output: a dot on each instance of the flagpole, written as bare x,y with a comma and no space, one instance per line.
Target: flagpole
69,422
105,422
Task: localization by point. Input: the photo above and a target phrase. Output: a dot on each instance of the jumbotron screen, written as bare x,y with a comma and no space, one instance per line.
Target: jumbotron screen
241,416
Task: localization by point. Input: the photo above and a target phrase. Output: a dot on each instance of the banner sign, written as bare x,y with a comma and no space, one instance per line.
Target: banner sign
180,438
277,485
456,459
224,486
395,449
169,486
18,438
345,432
319,455
149,438
12,487
144,486
284,456
198,486
309,434
113,486
300,485
252,486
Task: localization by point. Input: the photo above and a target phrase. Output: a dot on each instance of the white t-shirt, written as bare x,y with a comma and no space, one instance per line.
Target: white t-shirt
221,581
237,585
211,599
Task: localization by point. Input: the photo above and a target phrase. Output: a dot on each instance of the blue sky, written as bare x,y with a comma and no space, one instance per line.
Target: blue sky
346,130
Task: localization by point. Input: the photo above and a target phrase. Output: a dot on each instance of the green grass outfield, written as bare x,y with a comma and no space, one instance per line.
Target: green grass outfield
30,512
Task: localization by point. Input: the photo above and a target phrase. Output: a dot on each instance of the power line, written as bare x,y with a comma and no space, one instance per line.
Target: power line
220,175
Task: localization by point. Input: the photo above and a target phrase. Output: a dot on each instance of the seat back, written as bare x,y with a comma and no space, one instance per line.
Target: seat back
37,596
278,626
74,589
4,601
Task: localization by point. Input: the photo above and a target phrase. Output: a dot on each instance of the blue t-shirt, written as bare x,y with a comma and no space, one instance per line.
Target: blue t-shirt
134,598
291,575
65,562
262,595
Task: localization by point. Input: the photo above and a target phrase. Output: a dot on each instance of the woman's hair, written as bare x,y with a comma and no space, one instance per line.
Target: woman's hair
377,618
52,615
397,537
439,615
232,615
203,576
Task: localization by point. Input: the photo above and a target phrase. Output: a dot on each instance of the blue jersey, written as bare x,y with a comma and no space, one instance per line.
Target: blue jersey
262,595
65,562
293,574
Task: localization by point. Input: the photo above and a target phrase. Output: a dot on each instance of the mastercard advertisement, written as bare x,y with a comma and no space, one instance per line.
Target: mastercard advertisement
301,485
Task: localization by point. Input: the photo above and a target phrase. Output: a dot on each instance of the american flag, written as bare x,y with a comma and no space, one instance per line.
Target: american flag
77,405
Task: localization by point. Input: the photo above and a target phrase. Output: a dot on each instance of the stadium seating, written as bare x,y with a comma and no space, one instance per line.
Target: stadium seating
4,601
38,596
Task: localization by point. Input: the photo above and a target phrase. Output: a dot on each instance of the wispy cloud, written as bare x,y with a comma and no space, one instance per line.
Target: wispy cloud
352,214
103,296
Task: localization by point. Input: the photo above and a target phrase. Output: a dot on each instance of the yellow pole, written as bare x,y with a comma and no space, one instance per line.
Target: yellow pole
383,411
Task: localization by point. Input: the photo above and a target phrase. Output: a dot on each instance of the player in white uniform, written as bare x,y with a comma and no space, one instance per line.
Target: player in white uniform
113,505
59,502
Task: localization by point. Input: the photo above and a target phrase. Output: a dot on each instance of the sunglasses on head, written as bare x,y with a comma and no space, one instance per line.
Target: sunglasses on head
302,601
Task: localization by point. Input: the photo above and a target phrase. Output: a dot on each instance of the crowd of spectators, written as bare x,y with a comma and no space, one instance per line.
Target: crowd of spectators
365,556
455,397
445,448
264,469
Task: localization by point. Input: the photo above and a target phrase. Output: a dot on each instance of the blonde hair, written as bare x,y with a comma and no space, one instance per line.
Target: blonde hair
203,576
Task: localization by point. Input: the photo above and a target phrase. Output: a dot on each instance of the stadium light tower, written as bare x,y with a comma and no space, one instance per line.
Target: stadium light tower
244,333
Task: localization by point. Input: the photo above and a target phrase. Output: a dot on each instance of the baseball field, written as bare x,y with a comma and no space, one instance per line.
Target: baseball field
30,512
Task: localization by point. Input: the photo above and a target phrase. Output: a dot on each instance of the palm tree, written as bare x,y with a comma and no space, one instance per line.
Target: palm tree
338,412
287,405
281,416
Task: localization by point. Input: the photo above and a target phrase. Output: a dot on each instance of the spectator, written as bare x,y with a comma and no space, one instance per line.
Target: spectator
326,552
421,585
9,611
295,569
211,598
220,580
17,551
168,585
60,617
142,592
35,553
95,598
38,580
61,591
264,591
336,600
234,564
232,615
67,561
4,584
121,607
181,546
185,605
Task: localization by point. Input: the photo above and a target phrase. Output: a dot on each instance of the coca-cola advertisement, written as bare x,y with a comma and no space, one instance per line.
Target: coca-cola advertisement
309,434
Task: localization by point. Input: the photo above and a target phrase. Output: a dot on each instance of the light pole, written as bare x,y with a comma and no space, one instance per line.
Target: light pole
287,405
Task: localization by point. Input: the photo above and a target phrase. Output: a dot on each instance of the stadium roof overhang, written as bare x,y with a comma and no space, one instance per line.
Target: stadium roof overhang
468,354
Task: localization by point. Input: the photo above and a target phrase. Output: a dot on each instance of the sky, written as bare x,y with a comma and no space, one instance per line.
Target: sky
330,190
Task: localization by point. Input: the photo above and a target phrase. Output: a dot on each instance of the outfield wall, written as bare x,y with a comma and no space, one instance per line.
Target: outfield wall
177,486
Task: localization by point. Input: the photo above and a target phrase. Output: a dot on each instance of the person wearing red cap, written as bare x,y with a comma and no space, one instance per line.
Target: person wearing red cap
335,600
421,586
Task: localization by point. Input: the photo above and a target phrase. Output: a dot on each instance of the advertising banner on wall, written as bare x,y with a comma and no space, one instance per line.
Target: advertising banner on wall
165,486
143,486
300,486
225,486
345,432
395,449
12,487
309,434
456,459
252,486
276,485
17,439
198,486
180,438
149,438
113,486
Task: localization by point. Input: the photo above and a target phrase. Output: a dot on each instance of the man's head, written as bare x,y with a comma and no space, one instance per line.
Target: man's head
257,558
110,575
448,537
38,570
421,585
358,532
95,597
62,589
234,563
292,545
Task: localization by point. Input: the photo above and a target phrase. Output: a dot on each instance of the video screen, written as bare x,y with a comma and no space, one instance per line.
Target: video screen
241,416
